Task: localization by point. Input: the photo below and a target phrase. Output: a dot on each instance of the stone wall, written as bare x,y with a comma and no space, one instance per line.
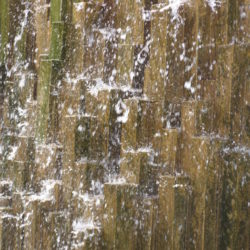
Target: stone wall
124,124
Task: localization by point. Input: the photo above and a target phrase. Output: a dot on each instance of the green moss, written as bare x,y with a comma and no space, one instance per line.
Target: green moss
56,10
4,6
57,40
48,75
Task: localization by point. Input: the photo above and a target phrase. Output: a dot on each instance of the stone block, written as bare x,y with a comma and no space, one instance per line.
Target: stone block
11,115
19,156
195,166
136,168
120,216
47,162
94,57
117,117
46,99
5,201
77,45
125,65
246,117
82,137
207,63
7,229
190,14
235,208
224,90
18,98
18,172
18,209
88,207
172,113
159,22
5,188
43,31
68,130
138,22
87,14
88,238
34,230
238,18
147,223
150,121
197,118
79,14
130,127
155,72
213,23
91,176
206,90
205,171
175,52
131,165
25,88
220,24
166,146
29,128
174,199
206,24
243,17
24,149
99,107
214,177
7,149
240,79
10,23
127,18
131,25
59,230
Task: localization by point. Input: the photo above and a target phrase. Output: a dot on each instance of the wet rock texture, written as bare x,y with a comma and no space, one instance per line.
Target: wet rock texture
124,124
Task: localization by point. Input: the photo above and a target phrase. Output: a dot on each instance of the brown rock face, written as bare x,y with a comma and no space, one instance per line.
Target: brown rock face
124,124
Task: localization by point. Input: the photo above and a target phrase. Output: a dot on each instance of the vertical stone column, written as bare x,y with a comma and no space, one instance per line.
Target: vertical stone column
213,198
196,168
43,30
205,171
99,107
167,149
240,79
147,233
174,199
7,229
196,117
47,164
175,55
47,117
224,90
238,18
155,72
235,209
130,126
190,14
150,122
120,216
